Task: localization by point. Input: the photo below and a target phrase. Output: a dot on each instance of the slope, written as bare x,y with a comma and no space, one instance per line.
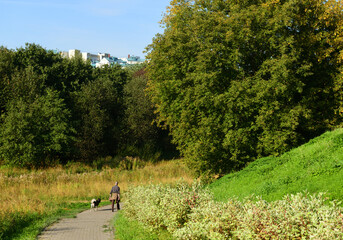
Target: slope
316,166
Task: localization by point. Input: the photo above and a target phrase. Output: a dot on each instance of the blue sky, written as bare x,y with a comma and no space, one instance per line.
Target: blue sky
118,27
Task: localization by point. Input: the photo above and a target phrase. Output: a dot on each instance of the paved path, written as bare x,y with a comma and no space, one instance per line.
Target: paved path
88,225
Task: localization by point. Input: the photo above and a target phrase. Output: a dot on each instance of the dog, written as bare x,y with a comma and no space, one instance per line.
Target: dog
95,203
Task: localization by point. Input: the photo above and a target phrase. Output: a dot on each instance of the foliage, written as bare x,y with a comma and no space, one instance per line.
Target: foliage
142,135
163,207
191,213
104,110
99,107
27,225
25,69
6,66
36,112
237,80
130,163
139,111
34,134
132,230
316,166
30,200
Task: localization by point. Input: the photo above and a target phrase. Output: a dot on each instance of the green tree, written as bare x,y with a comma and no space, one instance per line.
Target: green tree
6,68
138,109
235,80
99,108
36,133
50,69
143,137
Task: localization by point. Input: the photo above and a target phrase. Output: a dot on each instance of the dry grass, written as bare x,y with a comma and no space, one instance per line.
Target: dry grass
24,191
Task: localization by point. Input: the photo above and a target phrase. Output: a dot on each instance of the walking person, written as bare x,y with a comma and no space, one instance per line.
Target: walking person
115,196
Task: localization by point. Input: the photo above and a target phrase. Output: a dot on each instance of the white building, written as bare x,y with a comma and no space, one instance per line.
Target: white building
105,61
90,56
74,53
101,59
104,55
132,59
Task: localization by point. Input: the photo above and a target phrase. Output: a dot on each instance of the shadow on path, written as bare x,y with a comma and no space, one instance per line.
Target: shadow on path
90,224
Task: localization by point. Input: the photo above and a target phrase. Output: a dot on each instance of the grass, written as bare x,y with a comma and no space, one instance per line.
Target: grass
313,167
32,200
32,223
133,230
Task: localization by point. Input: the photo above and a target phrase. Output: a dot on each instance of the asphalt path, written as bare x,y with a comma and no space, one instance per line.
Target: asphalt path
88,225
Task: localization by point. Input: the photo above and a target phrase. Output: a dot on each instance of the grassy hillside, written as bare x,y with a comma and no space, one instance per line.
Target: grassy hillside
316,166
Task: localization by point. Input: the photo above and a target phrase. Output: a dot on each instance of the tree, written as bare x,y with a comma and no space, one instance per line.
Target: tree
236,80
143,137
36,133
99,108
6,68
138,109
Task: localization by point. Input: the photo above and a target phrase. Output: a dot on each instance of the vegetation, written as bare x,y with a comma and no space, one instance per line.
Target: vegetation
267,77
191,213
127,229
55,110
34,133
32,199
143,136
274,197
27,225
316,166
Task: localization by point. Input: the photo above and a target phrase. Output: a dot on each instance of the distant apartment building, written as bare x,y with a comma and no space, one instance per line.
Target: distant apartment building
102,59
90,56
132,59
74,53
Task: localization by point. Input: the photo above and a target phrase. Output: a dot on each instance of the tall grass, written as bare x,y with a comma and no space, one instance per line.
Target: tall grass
27,196
315,167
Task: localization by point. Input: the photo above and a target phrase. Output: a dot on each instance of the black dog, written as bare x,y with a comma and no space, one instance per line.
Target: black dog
95,203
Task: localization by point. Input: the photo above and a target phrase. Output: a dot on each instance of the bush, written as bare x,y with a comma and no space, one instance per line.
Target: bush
163,207
191,213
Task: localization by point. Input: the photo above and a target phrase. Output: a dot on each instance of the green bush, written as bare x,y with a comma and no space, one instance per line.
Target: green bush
163,207
191,213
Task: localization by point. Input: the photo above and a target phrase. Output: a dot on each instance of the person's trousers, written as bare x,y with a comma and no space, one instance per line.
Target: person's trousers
117,201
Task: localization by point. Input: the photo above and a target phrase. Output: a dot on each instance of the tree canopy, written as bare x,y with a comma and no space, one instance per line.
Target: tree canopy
55,110
236,80
35,133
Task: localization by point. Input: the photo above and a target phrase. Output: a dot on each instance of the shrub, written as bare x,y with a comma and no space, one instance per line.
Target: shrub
191,213
163,207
